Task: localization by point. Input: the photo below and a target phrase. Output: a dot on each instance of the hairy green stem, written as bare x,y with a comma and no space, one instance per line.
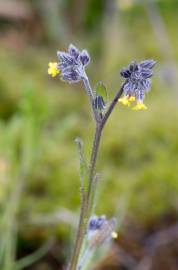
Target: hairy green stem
98,132
112,105
84,211
95,148
86,205
79,238
89,91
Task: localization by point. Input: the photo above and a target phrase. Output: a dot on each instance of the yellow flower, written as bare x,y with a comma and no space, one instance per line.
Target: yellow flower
131,98
140,106
52,70
114,235
127,100
124,101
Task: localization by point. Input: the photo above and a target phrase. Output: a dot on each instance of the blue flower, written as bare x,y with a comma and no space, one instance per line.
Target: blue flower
100,230
138,82
96,222
72,64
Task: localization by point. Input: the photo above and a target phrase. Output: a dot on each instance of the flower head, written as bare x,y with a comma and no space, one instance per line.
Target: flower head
100,230
137,83
72,64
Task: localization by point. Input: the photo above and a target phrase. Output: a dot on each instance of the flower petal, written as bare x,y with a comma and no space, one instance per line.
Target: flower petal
145,84
140,106
71,76
125,73
53,70
149,63
73,51
124,101
84,57
133,66
131,99
66,58
146,73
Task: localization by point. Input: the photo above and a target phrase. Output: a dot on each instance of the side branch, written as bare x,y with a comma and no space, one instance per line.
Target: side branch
98,131
112,105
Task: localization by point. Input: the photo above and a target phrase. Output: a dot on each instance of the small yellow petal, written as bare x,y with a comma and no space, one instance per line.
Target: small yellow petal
131,98
140,106
114,235
124,101
52,70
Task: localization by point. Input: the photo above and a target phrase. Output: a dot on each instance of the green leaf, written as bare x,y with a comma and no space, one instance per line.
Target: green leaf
83,163
101,91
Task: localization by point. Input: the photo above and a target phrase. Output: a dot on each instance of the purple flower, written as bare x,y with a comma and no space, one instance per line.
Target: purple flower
138,78
100,230
72,64
138,82
95,222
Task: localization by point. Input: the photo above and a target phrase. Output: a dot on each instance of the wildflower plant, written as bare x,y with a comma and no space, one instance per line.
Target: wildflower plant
94,231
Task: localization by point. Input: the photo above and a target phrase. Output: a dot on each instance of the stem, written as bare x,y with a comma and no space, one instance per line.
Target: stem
98,132
79,238
85,207
95,148
89,91
112,105
87,204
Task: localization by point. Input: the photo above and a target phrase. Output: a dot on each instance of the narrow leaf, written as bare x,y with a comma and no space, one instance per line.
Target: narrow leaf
101,91
92,202
83,164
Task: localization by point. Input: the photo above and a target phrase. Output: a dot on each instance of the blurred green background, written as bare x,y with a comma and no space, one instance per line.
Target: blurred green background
40,117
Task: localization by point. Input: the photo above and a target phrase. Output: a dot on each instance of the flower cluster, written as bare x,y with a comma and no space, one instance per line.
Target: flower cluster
71,66
137,83
100,230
